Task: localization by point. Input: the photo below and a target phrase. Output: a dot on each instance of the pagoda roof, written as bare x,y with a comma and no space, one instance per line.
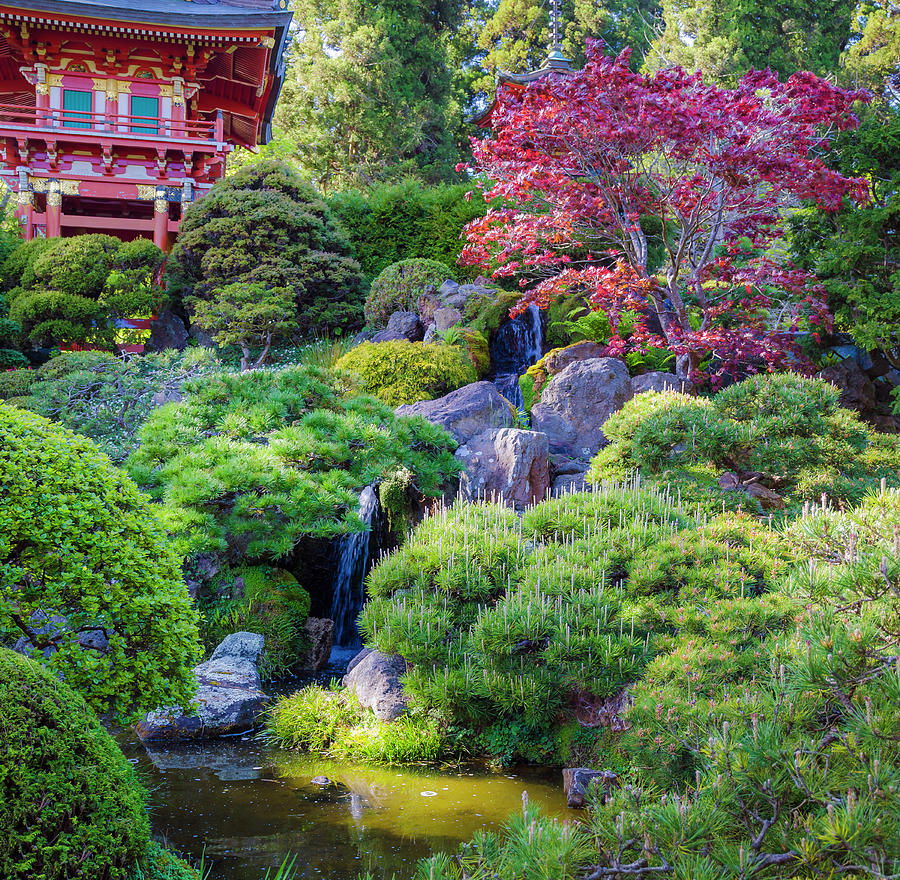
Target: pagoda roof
556,64
179,13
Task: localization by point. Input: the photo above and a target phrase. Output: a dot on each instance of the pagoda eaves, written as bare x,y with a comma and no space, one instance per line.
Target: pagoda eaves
114,116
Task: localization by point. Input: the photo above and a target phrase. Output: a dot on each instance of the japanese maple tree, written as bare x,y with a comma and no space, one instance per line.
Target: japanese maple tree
579,164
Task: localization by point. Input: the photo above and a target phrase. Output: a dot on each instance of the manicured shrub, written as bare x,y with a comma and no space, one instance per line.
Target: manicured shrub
506,624
79,541
783,431
16,383
73,289
10,359
266,225
248,464
264,600
396,222
70,805
406,372
399,286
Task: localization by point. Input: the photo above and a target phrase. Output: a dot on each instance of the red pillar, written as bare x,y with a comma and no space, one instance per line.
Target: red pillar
25,213
54,210
161,219
42,94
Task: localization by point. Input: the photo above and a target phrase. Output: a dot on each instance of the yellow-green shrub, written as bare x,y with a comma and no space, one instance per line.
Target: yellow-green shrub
406,372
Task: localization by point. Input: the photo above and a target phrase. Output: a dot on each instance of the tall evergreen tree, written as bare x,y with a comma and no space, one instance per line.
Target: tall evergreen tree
873,58
369,91
726,38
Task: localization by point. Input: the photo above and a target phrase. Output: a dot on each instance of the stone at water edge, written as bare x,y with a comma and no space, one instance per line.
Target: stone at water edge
319,631
229,699
577,781
506,465
466,412
578,401
376,682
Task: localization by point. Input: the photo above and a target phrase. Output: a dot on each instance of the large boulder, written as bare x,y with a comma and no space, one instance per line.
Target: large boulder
857,389
229,699
401,326
557,359
577,782
466,412
167,331
375,679
446,318
578,401
506,465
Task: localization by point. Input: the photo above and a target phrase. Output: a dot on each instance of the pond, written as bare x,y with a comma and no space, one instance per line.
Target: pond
249,805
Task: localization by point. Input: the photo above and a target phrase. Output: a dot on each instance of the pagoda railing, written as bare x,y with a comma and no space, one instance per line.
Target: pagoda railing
87,122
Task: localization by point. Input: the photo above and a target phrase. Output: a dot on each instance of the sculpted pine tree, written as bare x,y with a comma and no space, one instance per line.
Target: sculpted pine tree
265,225
659,195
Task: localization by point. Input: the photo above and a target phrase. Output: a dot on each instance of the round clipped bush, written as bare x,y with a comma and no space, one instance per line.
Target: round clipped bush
399,286
88,578
70,805
406,372
16,383
77,265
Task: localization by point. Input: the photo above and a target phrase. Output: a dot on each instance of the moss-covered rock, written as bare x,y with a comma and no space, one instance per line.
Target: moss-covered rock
70,806
399,286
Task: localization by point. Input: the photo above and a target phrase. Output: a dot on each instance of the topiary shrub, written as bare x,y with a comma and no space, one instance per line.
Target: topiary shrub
70,805
16,383
86,572
79,265
16,270
266,225
261,599
399,286
783,432
405,372
251,463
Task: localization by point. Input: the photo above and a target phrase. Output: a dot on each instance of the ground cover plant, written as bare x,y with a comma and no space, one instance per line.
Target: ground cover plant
87,574
399,372
105,396
783,433
248,464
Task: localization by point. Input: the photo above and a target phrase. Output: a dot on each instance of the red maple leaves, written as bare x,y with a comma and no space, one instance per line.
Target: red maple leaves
664,196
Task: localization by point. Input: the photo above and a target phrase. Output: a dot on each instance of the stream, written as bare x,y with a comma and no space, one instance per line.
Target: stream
248,805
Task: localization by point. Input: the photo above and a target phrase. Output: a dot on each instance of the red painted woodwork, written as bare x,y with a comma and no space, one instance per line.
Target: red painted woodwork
210,71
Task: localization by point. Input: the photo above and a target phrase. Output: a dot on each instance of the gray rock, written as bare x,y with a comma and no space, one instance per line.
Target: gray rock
578,780
468,411
578,401
448,288
376,682
201,337
657,381
857,389
229,698
505,465
445,318
401,325
566,483
562,465
431,334
167,331
319,631
358,658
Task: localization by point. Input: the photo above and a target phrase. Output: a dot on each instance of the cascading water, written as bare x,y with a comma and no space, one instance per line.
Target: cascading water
515,347
352,562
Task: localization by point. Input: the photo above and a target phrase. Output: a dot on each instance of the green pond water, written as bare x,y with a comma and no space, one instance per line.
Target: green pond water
249,805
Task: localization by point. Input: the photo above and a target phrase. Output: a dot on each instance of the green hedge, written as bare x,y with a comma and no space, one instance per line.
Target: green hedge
70,806
406,220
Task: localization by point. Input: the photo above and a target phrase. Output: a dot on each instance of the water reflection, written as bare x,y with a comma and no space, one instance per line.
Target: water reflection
250,805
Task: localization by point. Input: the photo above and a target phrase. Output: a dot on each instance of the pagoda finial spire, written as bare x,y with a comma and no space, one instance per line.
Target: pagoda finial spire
556,60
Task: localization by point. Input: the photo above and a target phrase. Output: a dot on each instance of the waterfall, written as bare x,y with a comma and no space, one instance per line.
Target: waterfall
515,347
352,563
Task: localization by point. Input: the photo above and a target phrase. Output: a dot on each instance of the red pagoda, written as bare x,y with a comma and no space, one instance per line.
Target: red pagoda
114,116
